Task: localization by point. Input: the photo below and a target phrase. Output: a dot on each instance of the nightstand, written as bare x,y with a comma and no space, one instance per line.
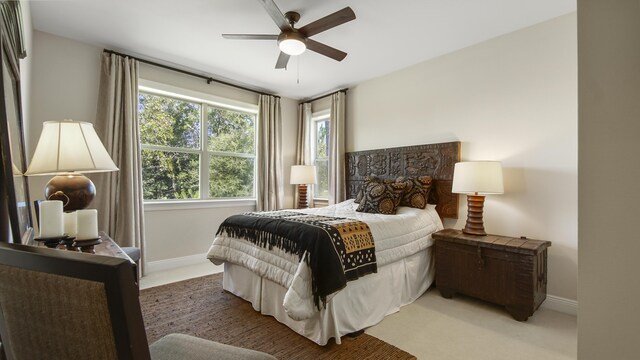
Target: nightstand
503,270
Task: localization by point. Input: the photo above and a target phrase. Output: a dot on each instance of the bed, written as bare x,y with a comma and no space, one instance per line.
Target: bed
278,283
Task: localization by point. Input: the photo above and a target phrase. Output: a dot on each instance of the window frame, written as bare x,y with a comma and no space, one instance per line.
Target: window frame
206,101
318,116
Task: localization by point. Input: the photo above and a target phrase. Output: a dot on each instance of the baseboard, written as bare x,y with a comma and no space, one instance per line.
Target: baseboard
167,264
560,304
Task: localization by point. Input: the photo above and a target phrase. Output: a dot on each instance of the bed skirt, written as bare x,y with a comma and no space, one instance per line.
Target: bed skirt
363,303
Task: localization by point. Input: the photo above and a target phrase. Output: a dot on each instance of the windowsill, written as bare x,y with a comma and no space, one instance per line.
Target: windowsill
196,204
320,202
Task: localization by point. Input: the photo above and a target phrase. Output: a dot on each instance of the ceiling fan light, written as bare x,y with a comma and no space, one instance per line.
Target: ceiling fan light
292,47
292,43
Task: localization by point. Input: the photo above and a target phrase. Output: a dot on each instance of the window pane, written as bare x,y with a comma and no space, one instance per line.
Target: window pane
168,122
230,177
230,131
322,139
322,175
170,175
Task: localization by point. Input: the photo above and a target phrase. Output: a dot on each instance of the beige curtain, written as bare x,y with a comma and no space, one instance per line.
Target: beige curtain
303,149
119,194
337,189
269,176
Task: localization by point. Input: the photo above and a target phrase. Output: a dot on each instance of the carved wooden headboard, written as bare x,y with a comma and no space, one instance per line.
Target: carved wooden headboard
435,160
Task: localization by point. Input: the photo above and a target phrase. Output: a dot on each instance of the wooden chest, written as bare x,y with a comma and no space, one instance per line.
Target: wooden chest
503,270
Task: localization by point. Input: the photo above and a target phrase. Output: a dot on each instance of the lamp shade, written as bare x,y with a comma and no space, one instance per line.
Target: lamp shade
69,146
303,174
478,178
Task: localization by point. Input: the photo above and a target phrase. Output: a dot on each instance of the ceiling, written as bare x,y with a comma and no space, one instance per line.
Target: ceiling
384,37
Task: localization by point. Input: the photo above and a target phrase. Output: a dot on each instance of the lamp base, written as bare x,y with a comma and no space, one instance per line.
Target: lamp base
302,196
474,225
75,190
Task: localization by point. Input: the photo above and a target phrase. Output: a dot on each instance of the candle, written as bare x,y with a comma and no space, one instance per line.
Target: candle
70,223
87,224
51,224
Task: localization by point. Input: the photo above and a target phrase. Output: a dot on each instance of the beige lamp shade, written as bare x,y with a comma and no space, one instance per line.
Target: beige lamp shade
303,174
69,146
478,178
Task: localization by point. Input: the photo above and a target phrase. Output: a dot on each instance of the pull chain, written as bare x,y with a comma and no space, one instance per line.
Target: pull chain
298,63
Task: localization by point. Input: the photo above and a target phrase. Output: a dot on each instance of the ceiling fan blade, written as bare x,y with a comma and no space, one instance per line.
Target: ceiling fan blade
326,50
250,37
276,14
283,59
330,21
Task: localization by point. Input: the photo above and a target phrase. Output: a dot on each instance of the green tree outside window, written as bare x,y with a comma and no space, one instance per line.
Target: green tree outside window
174,153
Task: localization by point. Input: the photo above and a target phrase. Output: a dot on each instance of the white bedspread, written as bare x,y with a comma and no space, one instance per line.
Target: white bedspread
395,236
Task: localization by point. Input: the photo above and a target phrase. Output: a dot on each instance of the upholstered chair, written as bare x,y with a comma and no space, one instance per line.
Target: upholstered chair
66,305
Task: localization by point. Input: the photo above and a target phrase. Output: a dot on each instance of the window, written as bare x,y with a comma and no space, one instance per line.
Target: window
195,149
320,153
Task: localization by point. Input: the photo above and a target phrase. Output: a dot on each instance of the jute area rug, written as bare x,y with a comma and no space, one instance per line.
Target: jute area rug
200,307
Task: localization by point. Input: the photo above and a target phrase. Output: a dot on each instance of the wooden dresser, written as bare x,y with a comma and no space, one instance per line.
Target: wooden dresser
504,270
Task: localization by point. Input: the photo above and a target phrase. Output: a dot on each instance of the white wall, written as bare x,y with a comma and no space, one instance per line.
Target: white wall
321,104
64,85
65,79
512,99
609,114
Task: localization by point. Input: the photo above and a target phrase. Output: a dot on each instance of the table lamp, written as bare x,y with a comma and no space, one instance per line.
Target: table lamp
302,175
65,149
476,179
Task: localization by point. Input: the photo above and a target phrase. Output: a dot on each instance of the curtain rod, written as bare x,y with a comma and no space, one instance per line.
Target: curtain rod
324,96
208,78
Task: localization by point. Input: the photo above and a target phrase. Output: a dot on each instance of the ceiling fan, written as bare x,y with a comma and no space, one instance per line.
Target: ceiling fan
292,41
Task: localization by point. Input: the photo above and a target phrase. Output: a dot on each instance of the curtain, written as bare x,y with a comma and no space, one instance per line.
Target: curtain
119,194
337,189
11,13
269,176
303,149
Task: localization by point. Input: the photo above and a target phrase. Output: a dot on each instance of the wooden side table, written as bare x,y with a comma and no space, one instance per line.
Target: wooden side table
107,247
503,270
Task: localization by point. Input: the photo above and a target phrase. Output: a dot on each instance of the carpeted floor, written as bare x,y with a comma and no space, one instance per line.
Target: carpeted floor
200,307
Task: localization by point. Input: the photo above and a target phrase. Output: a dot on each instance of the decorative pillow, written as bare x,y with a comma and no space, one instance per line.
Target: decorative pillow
360,193
381,197
416,191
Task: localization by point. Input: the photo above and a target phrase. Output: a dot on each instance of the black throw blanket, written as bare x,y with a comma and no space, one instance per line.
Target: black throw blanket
336,249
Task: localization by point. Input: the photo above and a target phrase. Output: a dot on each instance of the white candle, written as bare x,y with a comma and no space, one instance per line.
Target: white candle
87,224
51,224
70,223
